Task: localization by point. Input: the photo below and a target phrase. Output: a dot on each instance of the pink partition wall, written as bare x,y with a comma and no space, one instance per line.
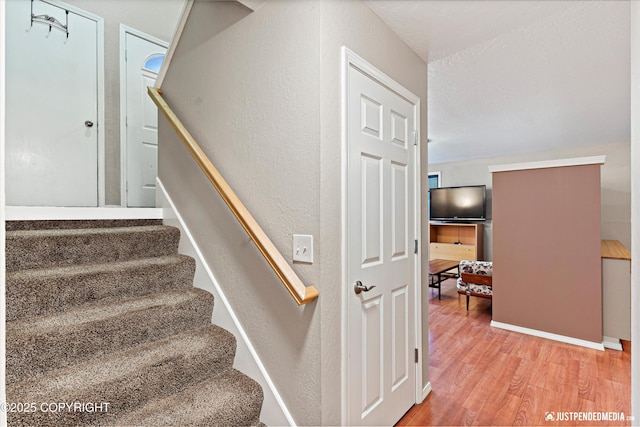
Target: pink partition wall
546,250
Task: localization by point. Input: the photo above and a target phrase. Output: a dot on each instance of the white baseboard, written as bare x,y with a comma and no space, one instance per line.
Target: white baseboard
612,343
274,411
426,391
51,213
548,335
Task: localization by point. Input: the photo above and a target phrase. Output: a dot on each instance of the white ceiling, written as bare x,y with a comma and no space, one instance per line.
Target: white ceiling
511,77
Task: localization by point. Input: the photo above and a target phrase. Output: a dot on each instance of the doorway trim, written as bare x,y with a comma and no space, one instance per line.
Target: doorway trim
124,30
351,59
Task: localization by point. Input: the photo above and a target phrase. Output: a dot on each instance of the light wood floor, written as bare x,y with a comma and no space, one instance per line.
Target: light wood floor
488,376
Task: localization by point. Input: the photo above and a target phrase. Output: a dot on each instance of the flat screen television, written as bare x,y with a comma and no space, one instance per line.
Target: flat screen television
458,203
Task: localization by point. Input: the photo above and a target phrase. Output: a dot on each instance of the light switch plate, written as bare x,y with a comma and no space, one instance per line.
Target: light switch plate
303,248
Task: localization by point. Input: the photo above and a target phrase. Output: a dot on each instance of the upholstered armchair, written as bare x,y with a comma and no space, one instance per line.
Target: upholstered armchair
476,279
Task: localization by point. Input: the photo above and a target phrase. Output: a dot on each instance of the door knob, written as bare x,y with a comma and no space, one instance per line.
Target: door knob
359,287
88,123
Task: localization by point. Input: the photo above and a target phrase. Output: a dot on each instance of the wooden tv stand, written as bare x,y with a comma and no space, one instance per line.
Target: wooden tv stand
455,241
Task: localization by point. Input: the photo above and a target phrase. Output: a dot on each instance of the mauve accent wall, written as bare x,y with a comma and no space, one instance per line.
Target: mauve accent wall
546,250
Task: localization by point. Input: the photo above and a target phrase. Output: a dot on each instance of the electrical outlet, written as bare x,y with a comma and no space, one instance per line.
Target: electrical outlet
303,248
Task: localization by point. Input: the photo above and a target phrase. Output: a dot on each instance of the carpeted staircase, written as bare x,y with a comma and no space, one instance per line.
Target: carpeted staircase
104,327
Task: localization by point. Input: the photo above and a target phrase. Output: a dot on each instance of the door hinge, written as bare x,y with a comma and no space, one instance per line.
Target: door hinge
416,353
415,246
415,138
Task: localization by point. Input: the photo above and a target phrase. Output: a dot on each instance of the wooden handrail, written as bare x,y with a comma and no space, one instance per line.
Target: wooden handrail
301,294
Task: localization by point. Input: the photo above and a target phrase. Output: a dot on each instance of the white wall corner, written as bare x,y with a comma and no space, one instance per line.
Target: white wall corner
184,16
252,4
635,209
274,411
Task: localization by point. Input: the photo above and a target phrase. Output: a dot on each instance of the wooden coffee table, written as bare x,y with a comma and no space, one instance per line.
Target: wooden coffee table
436,268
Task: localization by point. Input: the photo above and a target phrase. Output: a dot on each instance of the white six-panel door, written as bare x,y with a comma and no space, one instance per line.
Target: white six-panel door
52,108
381,228
143,55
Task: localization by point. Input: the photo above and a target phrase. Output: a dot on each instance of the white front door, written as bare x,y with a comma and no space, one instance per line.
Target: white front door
382,227
52,108
143,57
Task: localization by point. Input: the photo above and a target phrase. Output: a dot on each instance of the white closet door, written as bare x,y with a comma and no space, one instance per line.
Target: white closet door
52,111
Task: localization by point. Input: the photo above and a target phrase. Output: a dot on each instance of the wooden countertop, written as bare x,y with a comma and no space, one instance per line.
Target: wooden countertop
614,249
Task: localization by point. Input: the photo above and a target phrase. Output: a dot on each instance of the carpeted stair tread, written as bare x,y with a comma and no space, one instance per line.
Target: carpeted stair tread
106,312
40,344
27,249
127,379
230,399
78,223
36,292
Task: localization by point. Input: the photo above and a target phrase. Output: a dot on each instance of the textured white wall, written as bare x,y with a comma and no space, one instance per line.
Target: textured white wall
635,210
261,92
247,86
615,179
157,18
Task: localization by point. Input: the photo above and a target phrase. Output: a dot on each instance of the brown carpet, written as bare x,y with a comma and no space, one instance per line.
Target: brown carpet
104,327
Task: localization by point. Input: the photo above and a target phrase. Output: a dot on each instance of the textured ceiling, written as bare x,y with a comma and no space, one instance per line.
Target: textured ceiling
510,77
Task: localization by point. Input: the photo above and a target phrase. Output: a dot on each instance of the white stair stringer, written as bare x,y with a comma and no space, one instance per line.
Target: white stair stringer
274,411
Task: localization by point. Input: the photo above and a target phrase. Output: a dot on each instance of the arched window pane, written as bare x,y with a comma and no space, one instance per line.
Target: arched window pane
154,63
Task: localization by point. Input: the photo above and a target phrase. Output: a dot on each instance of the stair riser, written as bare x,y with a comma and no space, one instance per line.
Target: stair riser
155,377
45,249
238,400
32,352
69,224
35,294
